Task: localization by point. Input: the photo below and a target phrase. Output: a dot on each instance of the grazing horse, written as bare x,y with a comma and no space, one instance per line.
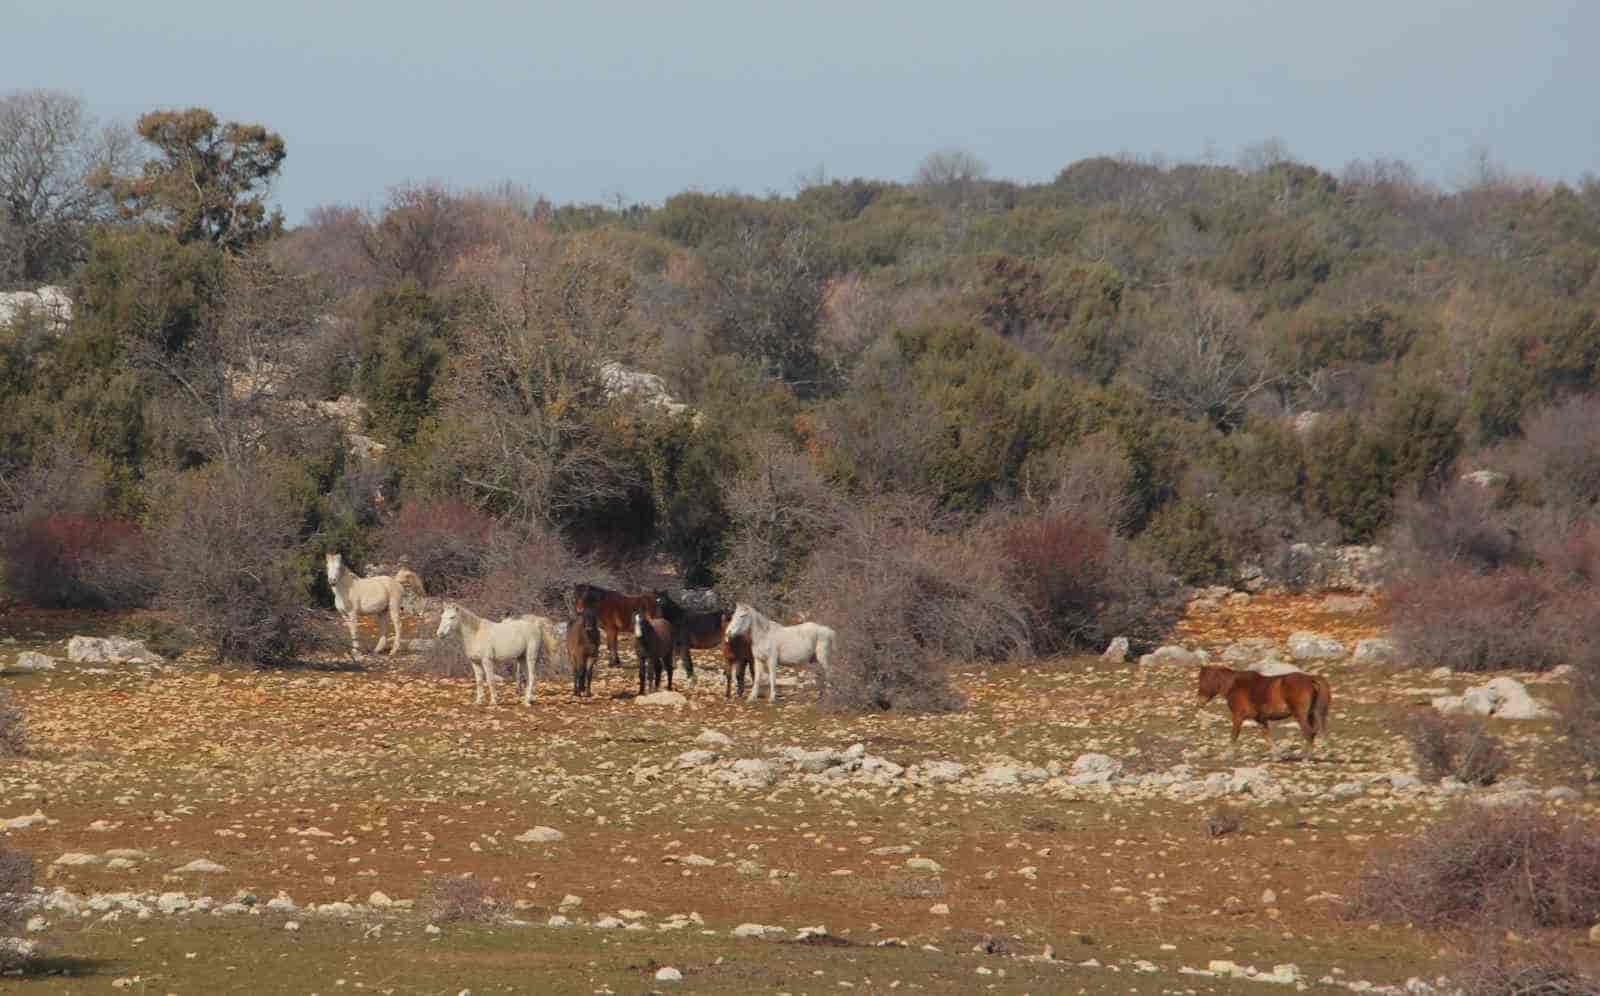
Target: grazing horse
697,630
772,644
736,657
1263,698
520,637
583,646
355,596
654,638
614,610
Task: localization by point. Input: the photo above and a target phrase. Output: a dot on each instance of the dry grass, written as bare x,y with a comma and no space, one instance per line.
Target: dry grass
458,898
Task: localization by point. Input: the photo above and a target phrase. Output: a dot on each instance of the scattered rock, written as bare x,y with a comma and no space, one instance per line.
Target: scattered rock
1347,605
749,773
1308,646
1092,768
1117,651
940,909
924,864
756,930
1375,650
29,662
77,858
1485,478
662,698
540,835
668,974
1502,698
32,819
713,738
695,758
938,772
379,901
201,866
109,650
1173,656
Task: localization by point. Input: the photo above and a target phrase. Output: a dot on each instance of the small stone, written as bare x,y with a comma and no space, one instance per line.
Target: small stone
713,738
432,929
668,974
379,901
924,864
291,925
29,662
1268,897
77,858
1117,651
940,909
557,920
675,699
569,901
201,866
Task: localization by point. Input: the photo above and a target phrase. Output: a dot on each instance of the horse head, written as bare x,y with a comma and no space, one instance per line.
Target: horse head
447,622
740,621
1213,681
585,596
667,608
335,563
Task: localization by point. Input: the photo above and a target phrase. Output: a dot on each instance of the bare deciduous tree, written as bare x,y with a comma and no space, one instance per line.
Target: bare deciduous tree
49,149
1197,360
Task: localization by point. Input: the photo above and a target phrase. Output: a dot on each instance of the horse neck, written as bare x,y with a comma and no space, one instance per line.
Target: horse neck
759,625
347,580
469,624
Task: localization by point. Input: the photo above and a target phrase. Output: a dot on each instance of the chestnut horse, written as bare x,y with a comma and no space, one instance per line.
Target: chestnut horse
1250,695
614,611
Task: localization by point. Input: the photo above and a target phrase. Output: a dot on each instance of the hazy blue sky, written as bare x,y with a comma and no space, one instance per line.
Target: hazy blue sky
580,101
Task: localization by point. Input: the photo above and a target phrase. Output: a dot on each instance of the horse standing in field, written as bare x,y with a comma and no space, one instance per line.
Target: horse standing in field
355,596
614,611
654,638
1263,698
527,638
583,647
772,644
736,657
697,630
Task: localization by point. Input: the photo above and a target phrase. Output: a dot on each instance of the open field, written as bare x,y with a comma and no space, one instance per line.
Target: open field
326,785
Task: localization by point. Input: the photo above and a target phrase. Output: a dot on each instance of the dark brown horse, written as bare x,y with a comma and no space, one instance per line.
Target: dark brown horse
654,638
583,647
697,630
614,611
736,656
1250,695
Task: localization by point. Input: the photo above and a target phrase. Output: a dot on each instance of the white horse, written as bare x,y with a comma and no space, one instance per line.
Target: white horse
772,644
355,596
518,638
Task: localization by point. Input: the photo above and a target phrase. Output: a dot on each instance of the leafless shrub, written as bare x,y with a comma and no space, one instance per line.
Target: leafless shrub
780,508
1080,585
1457,747
445,542
225,561
1492,967
1460,527
1197,360
1559,453
1471,621
458,898
1223,821
1092,483
1506,866
905,600
13,728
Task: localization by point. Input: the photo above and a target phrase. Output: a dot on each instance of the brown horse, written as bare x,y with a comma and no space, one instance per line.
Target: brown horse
614,611
697,630
736,656
654,638
1305,697
583,646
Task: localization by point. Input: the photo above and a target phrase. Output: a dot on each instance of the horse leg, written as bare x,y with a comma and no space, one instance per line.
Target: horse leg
394,617
755,679
1266,735
772,680
1233,741
477,682
532,660
350,621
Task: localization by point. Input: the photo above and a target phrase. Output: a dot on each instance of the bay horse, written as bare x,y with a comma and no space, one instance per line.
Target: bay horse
736,657
527,638
583,647
613,610
355,596
697,630
1263,698
772,643
654,638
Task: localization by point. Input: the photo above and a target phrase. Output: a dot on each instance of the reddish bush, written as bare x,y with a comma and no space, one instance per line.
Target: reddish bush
1516,617
445,542
78,561
1081,586
1502,866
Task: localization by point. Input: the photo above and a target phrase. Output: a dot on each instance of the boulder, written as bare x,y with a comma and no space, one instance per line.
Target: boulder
1117,651
750,773
1375,650
1091,769
540,835
938,772
52,304
695,758
110,650
1305,645
1484,479
1502,698
713,738
29,662
1173,656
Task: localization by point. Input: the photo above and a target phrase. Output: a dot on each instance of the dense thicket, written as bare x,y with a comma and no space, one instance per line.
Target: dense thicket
1152,368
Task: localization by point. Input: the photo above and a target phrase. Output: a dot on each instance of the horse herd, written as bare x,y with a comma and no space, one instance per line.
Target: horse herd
662,629
748,640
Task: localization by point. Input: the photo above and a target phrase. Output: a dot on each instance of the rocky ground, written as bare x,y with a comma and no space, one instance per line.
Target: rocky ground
1079,828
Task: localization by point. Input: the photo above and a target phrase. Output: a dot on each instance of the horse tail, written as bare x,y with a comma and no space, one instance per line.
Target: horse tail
405,575
1321,698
